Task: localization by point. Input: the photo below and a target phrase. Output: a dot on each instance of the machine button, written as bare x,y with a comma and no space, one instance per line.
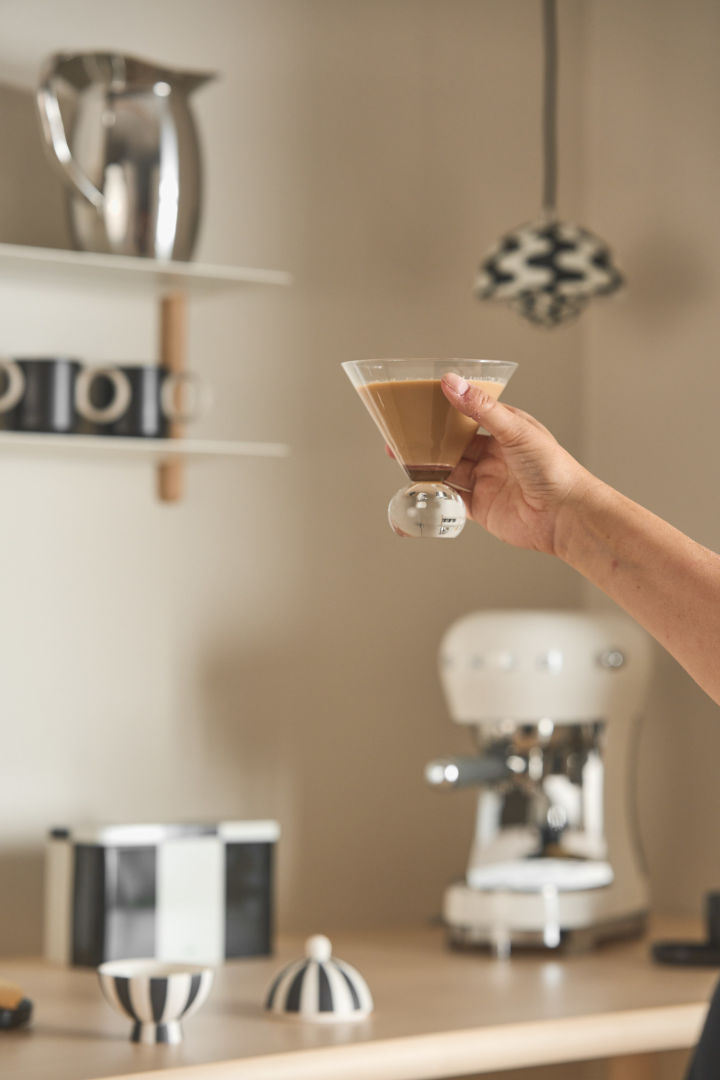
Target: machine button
552,660
611,659
499,660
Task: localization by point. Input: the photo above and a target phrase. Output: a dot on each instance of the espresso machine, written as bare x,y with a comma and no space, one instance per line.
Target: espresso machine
552,700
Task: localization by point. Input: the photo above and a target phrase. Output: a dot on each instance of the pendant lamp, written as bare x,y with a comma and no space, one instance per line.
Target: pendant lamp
549,269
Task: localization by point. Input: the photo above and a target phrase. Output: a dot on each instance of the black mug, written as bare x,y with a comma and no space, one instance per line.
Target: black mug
154,399
57,395
39,394
144,418
159,398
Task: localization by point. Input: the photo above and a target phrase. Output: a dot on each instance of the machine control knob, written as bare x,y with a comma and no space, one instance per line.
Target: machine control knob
551,661
499,660
612,659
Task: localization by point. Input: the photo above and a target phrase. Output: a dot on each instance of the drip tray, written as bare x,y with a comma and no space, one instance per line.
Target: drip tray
537,875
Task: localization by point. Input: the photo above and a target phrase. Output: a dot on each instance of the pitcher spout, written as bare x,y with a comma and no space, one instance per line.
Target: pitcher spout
190,81
139,73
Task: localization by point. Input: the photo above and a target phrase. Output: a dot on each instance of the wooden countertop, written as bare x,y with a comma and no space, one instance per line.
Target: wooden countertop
437,1014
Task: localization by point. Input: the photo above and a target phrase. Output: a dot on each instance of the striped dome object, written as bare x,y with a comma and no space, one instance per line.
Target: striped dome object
155,995
319,987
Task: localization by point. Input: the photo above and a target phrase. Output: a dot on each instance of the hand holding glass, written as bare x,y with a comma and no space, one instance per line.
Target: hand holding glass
425,433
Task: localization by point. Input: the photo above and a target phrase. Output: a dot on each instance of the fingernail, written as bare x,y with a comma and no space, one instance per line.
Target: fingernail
457,384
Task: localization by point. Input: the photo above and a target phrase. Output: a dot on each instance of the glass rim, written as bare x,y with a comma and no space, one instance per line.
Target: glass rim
423,367
427,360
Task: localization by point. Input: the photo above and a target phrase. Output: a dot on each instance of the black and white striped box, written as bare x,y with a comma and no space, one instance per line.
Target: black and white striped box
198,893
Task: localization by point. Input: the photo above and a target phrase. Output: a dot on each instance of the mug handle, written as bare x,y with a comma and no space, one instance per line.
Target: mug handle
109,413
15,387
200,397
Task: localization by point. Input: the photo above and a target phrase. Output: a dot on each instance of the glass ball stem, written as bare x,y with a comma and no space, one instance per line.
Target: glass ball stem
427,509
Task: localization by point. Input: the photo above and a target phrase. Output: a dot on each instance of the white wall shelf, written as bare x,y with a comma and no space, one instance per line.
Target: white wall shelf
113,271
118,448
171,285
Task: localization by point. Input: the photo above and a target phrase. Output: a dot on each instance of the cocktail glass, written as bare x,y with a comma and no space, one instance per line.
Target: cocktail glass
426,434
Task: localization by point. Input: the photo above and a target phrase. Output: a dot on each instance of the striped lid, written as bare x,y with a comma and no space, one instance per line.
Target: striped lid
319,987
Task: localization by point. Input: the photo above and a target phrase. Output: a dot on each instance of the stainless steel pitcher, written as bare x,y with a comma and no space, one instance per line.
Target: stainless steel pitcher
131,160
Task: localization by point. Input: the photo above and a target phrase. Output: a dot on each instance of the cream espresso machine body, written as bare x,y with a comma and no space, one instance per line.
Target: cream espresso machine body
553,699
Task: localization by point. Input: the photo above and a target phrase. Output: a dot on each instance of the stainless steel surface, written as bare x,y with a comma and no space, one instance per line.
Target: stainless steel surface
130,159
455,772
549,800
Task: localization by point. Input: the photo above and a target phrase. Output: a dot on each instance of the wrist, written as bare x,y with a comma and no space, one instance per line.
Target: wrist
577,518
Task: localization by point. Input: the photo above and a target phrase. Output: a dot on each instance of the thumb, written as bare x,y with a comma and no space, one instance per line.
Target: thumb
502,423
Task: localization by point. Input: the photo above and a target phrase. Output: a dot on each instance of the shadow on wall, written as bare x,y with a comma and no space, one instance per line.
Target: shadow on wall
670,273
32,202
21,901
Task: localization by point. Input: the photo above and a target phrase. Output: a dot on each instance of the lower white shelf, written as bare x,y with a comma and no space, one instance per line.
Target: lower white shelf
118,448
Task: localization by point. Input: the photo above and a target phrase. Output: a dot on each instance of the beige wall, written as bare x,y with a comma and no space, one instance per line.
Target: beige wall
268,648
652,160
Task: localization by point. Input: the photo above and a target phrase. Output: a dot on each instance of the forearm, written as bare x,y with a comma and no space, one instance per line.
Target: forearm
667,582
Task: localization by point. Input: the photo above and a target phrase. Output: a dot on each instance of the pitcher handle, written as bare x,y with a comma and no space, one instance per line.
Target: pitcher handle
54,132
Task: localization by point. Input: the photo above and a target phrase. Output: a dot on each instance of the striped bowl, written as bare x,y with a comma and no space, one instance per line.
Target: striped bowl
155,995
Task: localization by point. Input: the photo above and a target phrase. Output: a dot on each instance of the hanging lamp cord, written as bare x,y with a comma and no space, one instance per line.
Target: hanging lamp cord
550,107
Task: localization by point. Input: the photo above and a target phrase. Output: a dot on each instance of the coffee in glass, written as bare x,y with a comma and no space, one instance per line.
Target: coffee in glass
426,434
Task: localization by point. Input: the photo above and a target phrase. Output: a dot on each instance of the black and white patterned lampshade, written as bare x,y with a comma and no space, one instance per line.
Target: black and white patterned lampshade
319,987
547,271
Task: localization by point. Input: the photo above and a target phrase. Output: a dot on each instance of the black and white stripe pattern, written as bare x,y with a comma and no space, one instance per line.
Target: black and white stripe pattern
180,891
547,271
155,996
319,987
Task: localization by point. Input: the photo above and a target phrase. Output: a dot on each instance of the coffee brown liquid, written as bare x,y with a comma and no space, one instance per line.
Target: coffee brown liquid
426,434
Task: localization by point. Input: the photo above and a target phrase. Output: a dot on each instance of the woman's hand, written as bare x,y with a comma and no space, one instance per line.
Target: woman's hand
518,482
